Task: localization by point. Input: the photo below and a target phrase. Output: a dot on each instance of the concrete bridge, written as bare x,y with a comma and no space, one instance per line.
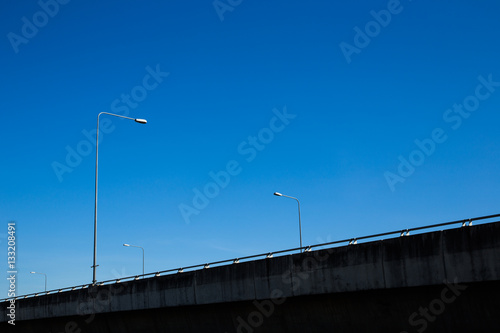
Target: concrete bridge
441,281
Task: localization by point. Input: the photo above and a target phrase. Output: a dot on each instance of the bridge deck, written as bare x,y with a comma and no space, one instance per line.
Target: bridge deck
445,281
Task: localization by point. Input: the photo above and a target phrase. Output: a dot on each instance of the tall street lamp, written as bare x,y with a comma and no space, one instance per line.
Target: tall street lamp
140,121
300,223
128,245
45,278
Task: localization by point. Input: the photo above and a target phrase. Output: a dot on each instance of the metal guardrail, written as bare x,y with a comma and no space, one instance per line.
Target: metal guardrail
350,241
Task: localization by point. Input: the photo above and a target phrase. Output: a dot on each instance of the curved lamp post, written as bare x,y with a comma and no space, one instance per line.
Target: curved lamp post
128,245
140,121
300,223
45,278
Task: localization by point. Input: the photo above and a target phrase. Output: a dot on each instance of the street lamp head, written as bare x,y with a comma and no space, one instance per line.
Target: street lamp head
278,194
126,245
141,121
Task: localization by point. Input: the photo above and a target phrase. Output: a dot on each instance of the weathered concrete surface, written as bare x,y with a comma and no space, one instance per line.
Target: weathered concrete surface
389,310
380,286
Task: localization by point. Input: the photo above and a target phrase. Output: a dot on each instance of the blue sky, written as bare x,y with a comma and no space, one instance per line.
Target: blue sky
400,130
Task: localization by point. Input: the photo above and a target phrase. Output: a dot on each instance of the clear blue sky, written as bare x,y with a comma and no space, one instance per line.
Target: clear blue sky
354,89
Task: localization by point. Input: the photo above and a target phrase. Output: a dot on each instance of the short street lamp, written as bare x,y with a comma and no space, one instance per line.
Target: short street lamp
128,245
300,223
45,278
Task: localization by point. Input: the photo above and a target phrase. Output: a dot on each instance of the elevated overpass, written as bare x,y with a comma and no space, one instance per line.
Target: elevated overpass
439,281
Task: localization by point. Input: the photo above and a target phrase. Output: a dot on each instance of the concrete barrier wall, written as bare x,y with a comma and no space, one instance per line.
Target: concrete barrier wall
468,255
